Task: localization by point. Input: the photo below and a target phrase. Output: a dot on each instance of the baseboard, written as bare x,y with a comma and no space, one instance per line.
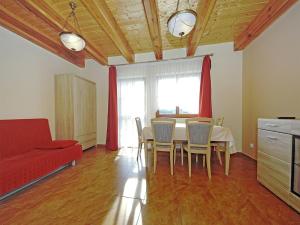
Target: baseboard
100,145
249,156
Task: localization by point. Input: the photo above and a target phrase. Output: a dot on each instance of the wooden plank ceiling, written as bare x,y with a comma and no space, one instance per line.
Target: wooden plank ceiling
126,27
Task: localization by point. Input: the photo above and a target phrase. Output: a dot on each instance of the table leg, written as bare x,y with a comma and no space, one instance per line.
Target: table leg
146,152
227,158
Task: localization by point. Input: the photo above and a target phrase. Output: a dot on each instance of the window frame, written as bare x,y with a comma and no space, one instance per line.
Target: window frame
176,115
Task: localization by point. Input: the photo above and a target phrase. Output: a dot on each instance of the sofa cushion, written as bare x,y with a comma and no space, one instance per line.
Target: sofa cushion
24,168
22,135
57,144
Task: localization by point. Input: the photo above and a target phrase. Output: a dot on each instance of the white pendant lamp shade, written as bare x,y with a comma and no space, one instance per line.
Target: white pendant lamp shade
182,22
72,41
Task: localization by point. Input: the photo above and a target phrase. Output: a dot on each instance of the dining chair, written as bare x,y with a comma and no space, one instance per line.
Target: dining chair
163,136
219,121
198,131
179,142
219,147
140,137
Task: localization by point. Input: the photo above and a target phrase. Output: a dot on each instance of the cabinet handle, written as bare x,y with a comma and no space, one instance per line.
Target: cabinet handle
271,125
272,138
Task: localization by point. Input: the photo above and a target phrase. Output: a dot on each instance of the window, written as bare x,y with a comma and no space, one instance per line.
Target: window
144,88
181,91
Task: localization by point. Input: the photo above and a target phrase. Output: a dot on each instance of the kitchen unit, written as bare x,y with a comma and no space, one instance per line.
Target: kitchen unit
278,158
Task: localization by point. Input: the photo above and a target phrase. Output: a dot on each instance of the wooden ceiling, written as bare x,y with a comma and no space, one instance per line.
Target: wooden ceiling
126,27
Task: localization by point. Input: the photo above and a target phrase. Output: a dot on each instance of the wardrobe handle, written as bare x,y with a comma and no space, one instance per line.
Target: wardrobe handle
271,125
272,138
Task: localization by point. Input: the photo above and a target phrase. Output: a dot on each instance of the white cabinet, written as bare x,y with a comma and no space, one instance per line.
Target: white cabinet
274,158
75,109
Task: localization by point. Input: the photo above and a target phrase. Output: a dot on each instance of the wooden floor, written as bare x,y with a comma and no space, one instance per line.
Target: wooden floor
112,188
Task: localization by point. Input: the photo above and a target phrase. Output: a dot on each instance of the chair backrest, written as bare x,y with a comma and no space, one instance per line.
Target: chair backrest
198,131
139,127
163,130
219,121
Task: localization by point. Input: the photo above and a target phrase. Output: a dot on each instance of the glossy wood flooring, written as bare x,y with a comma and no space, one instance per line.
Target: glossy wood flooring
108,188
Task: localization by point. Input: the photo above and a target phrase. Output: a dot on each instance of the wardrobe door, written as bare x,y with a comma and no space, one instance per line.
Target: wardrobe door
64,105
85,117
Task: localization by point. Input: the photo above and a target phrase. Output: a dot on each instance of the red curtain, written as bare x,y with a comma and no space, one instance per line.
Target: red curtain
112,117
205,109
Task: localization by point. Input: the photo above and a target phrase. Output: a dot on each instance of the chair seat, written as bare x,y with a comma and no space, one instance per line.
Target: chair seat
200,149
163,148
148,140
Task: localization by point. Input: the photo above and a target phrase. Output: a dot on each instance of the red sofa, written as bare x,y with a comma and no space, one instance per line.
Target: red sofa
28,153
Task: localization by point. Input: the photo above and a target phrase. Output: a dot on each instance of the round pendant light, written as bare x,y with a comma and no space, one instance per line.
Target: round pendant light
72,40
182,22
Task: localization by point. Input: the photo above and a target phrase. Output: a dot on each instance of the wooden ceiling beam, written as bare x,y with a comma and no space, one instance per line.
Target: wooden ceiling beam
20,27
103,16
204,10
272,10
45,12
152,16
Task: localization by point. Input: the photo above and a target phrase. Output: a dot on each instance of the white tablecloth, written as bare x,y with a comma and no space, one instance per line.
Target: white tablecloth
218,134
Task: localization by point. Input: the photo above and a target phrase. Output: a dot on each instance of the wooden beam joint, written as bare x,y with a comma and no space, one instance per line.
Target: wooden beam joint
272,10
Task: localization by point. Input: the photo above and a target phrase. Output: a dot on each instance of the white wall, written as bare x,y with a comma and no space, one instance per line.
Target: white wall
271,73
226,75
27,81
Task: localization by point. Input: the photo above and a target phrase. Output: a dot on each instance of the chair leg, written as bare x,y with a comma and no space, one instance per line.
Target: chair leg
146,152
154,159
139,151
196,158
190,163
219,156
227,159
181,149
203,161
208,165
171,160
174,149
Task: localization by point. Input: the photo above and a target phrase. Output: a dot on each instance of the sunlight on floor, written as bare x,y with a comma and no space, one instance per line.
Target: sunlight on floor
135,187
123,211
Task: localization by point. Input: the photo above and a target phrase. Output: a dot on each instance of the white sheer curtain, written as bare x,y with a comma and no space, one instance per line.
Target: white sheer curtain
145,88
131,104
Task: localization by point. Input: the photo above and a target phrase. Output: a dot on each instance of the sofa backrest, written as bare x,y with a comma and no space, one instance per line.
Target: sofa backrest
22,135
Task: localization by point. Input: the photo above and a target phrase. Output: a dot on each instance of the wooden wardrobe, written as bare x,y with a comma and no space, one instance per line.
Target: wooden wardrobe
75,109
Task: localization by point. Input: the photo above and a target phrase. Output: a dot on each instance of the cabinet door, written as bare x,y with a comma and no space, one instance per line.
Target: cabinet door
85,112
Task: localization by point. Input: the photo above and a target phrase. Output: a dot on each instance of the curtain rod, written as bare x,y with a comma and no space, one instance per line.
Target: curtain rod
162,60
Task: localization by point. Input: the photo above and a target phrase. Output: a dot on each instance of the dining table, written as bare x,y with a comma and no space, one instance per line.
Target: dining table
219,134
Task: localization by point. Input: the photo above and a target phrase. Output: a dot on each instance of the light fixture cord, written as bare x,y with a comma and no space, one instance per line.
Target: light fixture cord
76,23
72,14
177,6
188,1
